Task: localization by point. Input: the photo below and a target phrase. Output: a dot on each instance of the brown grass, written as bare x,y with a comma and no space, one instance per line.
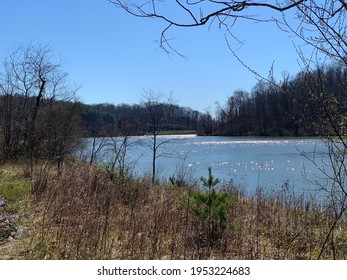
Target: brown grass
84,214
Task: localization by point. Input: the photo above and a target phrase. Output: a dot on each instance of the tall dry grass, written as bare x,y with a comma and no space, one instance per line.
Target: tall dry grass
83,213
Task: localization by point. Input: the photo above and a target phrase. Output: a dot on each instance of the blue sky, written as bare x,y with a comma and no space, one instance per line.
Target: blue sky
114,56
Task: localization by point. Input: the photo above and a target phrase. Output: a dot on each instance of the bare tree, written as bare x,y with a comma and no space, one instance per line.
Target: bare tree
59,131
158,108
30,81
322,25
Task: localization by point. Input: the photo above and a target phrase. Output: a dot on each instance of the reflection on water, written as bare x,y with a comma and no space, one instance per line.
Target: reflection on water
251,162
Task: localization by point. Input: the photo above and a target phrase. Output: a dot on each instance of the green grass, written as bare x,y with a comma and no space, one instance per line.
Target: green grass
14,189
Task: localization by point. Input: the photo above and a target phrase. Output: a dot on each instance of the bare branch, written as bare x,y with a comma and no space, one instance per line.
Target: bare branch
221,11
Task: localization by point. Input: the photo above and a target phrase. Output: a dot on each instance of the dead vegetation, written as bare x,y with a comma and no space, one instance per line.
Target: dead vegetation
84,213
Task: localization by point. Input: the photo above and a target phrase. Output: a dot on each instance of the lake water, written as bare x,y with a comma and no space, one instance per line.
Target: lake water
253,162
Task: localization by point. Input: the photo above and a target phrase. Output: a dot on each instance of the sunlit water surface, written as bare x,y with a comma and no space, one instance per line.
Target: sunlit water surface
270,163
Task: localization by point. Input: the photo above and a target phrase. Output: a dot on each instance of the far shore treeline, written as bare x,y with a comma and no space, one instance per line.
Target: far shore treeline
289,108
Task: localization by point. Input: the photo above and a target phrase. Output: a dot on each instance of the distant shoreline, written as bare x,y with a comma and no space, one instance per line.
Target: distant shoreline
178,132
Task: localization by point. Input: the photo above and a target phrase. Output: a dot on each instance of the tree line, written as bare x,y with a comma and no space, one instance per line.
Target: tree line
312,103
110,120
306,104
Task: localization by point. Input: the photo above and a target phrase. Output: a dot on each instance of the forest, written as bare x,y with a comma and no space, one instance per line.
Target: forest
112,120
302,105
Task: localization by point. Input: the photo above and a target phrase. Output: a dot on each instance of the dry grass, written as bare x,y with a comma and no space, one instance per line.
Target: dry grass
83,214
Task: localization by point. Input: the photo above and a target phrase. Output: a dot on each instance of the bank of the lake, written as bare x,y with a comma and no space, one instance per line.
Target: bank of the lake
173,133
81,211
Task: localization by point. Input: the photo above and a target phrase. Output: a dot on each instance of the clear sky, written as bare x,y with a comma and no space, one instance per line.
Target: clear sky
114,56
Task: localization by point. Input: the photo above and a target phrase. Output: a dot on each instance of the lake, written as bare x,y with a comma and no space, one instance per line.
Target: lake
250,162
